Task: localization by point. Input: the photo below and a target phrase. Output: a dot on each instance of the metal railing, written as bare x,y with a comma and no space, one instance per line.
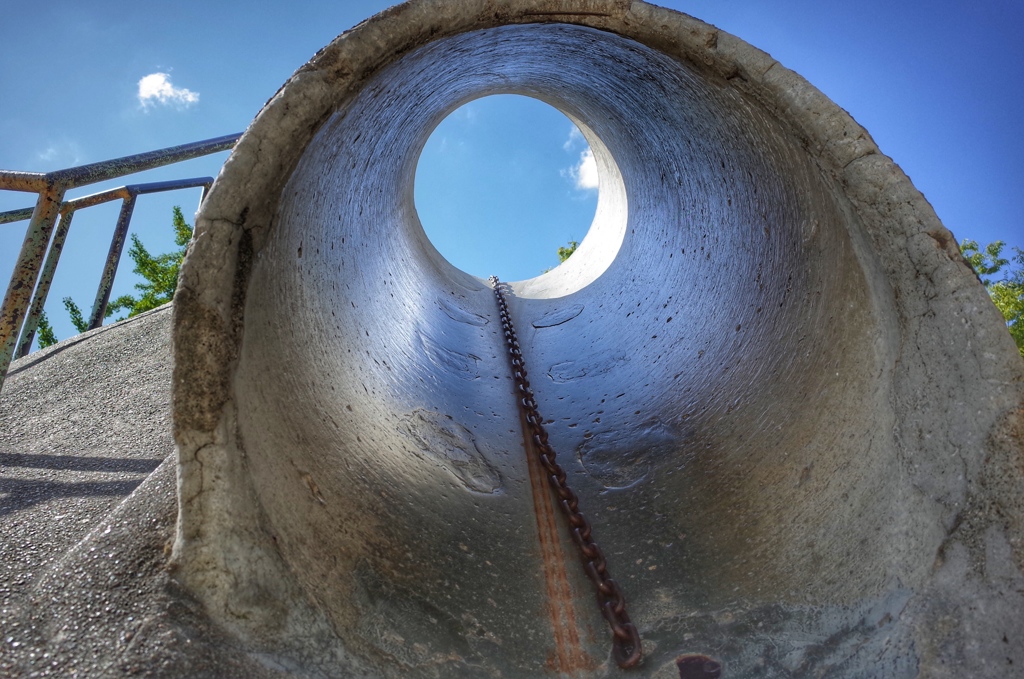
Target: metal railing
19,316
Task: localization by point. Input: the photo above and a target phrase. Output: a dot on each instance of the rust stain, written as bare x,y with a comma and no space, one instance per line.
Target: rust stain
569,657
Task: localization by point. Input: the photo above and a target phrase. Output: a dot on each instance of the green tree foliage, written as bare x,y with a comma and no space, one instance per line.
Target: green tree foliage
161,279
984,262
45,332
565,253
1007,292
76,315
160,272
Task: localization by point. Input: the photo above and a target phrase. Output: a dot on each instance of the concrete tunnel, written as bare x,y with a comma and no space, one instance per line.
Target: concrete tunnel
784,400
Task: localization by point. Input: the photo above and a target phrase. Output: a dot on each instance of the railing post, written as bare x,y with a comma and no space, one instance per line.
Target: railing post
23,280
28,330
51,188
99,307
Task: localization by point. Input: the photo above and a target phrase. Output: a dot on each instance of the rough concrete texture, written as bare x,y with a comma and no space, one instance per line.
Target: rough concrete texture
786,403
782,396
780,393
87,509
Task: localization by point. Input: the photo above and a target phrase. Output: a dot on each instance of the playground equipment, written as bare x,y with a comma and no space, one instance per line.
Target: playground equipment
785,403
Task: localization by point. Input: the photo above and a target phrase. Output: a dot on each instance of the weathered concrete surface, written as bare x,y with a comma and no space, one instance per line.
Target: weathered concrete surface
782,396
87,507
786,403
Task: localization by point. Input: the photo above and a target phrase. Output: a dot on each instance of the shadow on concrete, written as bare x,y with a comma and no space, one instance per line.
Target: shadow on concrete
80,463
19,494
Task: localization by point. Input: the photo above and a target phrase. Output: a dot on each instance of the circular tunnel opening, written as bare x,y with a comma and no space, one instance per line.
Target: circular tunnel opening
691,357
502,183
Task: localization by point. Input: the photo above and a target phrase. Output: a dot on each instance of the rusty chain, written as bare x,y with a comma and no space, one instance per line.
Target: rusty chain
626,648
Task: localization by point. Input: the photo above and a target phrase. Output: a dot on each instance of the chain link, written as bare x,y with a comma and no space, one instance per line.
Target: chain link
626,648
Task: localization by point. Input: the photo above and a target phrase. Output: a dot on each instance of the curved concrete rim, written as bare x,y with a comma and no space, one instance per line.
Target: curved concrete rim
840,461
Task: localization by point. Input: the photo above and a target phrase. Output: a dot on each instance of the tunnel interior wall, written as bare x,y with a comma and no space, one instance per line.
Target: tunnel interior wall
723,364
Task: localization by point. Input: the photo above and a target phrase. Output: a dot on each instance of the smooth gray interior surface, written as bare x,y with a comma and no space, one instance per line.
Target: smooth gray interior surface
704,387
784,400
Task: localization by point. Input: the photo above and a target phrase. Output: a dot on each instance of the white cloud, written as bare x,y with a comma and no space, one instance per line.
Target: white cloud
61,153
575,137
584,173
156,88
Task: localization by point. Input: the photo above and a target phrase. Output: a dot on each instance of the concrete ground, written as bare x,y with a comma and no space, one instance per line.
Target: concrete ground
87,513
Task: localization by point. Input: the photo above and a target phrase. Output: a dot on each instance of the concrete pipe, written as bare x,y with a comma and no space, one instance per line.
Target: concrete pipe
785,402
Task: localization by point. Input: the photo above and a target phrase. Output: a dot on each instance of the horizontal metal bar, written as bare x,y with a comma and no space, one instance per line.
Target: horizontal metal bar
16,215
12,180
120,193
118,167
82,175
171,185
125,192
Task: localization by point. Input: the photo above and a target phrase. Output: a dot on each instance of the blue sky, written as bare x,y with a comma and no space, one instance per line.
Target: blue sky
935,83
